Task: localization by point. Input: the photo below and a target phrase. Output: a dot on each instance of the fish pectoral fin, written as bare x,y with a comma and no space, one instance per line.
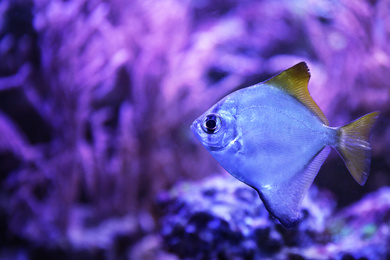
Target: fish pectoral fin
294,81
283,199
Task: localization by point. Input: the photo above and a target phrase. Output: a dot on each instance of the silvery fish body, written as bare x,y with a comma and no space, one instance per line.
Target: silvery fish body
273,137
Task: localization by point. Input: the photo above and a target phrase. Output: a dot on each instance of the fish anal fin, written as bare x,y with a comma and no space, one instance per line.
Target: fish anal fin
283,200
294,81
354,146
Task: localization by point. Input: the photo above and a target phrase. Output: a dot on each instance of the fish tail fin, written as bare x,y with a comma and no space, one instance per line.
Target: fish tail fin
354,146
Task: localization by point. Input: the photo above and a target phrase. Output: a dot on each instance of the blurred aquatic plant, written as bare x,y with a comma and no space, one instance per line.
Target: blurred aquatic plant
107,91
115,86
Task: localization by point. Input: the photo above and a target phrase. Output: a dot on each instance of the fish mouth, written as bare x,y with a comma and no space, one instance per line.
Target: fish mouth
195,127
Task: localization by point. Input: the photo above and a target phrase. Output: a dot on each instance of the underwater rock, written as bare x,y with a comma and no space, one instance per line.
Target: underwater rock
362,230
221,218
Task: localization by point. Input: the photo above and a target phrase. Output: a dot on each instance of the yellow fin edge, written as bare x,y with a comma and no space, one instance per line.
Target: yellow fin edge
354,146
294,81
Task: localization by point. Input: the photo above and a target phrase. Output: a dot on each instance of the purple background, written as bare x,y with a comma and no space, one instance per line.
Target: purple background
96,100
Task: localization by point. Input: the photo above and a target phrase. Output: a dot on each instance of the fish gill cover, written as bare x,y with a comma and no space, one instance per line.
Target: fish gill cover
96,98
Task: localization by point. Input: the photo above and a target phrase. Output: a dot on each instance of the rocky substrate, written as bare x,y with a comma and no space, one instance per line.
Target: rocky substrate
221,218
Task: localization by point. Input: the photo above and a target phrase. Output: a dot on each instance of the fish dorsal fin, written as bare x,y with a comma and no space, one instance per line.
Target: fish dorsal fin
294,81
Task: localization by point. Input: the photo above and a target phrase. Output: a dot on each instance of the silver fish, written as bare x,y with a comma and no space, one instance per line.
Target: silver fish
273,137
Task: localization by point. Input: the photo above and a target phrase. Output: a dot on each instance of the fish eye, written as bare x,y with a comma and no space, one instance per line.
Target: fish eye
211,124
